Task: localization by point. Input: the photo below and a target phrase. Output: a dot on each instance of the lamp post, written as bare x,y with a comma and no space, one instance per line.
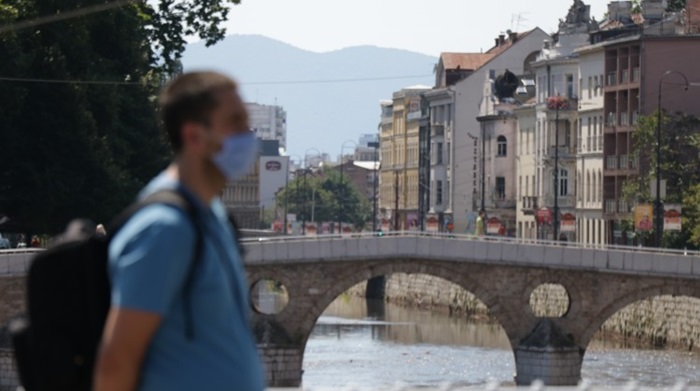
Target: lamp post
286,192
340,184
306,198
658,207
375,180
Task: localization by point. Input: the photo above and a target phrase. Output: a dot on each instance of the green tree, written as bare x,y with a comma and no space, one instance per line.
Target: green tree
680,148
324,192
84,149
675,5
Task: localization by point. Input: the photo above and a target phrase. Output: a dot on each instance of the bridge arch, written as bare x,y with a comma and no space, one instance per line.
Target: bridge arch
634,296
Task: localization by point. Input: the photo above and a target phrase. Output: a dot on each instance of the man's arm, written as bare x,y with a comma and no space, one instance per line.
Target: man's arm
126,337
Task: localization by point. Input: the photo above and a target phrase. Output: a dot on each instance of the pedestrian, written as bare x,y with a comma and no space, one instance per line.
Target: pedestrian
35,241
144,346
480,223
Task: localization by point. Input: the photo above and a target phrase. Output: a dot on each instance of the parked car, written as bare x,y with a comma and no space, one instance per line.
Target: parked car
4,242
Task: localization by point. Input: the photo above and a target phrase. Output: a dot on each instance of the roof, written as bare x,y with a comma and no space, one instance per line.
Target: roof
496,50
367,165
464,61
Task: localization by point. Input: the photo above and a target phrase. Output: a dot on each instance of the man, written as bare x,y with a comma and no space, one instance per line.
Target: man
144,345
480,223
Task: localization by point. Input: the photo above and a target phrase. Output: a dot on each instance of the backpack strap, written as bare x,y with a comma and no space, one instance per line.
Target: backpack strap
176,199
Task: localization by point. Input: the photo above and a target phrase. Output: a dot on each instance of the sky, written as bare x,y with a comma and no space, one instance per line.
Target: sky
424,26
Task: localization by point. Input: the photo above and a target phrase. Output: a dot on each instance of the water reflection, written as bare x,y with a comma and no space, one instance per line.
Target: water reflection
375,345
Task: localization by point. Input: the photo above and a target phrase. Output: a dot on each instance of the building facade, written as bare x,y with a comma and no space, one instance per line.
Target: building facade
513,52
268,122
400,159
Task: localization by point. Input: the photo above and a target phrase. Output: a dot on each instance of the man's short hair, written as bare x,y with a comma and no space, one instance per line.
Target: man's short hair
191,97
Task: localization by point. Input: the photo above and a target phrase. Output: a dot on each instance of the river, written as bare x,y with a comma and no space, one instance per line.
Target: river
376,345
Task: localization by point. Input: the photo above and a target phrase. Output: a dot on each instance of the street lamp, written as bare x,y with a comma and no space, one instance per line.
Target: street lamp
558,102
306,171
659,213
375,145
340,203
286,191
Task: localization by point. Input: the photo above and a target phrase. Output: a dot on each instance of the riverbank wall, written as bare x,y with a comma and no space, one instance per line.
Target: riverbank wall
659,322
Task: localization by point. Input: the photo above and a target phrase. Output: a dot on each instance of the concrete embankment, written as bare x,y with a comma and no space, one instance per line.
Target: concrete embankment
663,321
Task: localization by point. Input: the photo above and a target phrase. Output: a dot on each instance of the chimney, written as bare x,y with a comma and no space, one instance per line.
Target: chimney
654,9
501,39
498,42
513,37
619,10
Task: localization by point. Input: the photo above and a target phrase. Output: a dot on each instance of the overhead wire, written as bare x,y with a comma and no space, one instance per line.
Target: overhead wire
279,82
60,16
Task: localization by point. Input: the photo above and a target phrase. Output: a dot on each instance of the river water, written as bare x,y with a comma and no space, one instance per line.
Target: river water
375,345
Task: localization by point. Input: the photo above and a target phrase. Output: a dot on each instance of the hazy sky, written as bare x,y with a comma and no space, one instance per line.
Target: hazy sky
425,26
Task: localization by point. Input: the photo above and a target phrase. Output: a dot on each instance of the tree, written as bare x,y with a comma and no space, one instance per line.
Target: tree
324,192
680,148
675,5
84,149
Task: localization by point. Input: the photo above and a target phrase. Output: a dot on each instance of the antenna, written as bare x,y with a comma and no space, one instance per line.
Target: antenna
516,20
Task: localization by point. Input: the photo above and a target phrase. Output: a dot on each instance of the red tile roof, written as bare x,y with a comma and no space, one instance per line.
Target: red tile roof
465,61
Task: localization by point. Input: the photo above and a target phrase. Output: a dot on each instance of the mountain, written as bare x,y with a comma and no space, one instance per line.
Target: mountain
329,97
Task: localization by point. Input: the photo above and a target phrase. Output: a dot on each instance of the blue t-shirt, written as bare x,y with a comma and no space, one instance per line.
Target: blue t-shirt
149,260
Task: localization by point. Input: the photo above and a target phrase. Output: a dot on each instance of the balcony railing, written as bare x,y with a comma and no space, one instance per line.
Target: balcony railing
600,143
625,207
612,79
624,162
529,204
635,117
611,162
567,201
610,206
636,75
625,76
564,152
624,119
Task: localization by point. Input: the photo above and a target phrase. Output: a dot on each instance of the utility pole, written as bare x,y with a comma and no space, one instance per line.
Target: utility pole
396,201
376,180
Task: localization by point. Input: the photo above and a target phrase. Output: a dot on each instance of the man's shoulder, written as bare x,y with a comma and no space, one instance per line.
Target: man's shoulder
155,222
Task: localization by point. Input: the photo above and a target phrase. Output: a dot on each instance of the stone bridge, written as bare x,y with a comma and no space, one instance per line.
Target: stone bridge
502,273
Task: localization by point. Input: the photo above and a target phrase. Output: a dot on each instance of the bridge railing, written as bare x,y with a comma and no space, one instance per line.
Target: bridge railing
496,239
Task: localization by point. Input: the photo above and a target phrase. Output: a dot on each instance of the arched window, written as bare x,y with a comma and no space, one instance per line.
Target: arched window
502,146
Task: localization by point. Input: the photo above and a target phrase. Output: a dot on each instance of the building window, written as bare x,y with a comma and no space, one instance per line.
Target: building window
590,86
500,187
570,91
563,183
502,146
438,193
439,153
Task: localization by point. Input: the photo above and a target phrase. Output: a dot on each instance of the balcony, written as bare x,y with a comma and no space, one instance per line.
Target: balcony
611,162
624,119
610,206
612,79
563,103
438,130
528,205
635,118
625,76
564,152
624,162
567,201
636,75
624,207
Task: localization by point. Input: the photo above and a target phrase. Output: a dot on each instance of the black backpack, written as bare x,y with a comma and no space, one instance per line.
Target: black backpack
68,298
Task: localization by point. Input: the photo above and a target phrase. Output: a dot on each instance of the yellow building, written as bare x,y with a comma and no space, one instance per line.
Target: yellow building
399,159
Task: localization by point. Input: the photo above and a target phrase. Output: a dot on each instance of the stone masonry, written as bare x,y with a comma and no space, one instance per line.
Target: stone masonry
502,275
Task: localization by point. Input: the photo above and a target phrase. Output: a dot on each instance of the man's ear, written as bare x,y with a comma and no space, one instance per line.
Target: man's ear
192,136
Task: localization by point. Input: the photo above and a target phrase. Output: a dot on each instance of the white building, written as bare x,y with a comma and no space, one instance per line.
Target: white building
526,170
558,84
268,122
514,52
590,224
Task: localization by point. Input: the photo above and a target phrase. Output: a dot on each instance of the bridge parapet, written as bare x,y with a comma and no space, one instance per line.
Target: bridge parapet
616,259
16,262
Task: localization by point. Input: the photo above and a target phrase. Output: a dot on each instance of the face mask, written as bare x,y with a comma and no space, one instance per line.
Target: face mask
237,155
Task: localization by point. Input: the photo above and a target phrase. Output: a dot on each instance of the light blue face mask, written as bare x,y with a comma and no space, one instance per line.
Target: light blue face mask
237,155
